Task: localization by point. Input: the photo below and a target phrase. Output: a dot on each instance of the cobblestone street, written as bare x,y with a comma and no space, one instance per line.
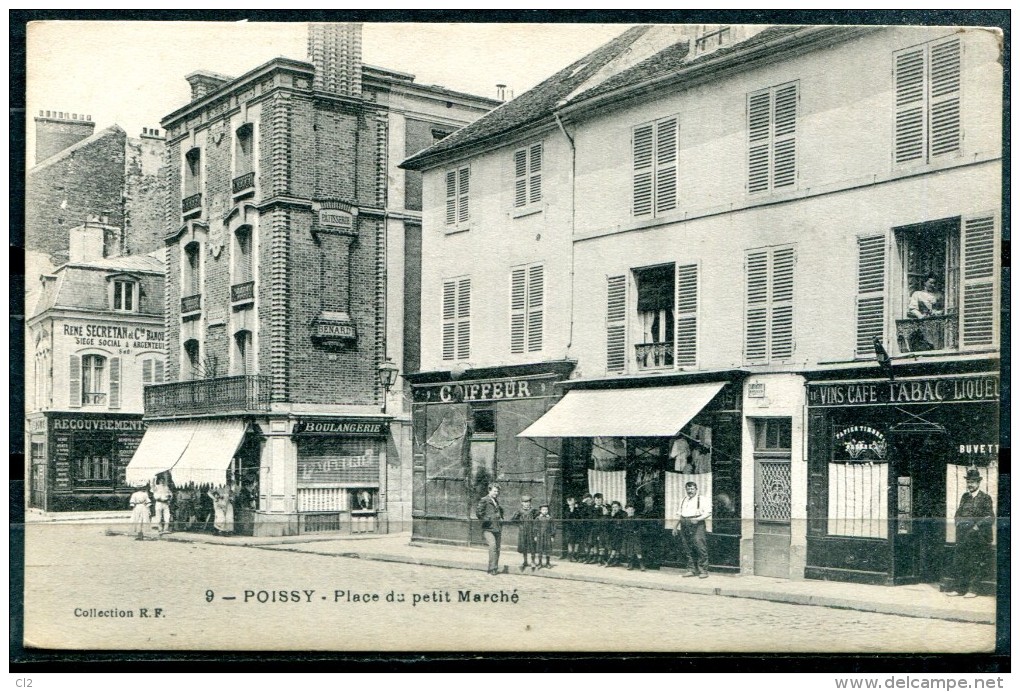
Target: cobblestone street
76,568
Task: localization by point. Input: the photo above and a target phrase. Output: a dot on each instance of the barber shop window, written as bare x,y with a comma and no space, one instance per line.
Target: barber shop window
656,289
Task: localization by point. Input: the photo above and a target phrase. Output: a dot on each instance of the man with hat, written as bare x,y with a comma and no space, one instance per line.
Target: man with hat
490,514
974,519
526,543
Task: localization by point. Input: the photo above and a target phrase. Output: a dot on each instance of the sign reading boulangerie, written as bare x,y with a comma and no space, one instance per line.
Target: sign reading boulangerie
914,391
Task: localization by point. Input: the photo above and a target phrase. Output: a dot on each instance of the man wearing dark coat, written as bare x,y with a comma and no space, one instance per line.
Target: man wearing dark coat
974,518
490,514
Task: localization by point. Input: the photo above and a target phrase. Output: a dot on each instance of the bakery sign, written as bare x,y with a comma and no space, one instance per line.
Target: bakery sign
860,443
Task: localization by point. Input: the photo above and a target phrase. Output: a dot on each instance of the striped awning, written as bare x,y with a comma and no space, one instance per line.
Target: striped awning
644,412
209,453
161,447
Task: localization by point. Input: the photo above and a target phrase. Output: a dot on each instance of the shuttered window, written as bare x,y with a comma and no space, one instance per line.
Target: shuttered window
687,315
457,187
772,138
152,371
927,101
457,319
980,281
768,328
527,299
616,323
654,148
528,175
74,378
115,383
870,293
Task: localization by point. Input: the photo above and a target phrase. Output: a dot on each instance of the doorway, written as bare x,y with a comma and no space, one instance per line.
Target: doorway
772,501
920,497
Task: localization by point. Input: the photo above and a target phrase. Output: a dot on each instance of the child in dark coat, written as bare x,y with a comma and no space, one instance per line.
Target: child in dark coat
545,531
525,520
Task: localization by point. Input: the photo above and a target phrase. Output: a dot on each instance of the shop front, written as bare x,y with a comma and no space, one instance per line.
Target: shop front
78,460
466,436
642,441
886,467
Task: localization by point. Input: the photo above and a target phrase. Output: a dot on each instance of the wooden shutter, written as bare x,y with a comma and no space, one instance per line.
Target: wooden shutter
757,306
909,135
781,308
114,383
249,354
870,293
157,371
463,319
147,371
759,127
536,299
449,319
451,197
518,308
616,327
665,165
944,98
979,279
784,145
642,153
535,179
463,178
74,377
687,315
521,178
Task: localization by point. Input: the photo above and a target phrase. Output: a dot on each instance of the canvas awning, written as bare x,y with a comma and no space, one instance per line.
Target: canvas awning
209,453
644,412
161,447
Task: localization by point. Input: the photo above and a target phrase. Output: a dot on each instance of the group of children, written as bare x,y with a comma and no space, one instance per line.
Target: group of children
594,533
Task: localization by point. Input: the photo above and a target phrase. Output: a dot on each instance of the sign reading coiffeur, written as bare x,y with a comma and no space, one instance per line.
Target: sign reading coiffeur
486,390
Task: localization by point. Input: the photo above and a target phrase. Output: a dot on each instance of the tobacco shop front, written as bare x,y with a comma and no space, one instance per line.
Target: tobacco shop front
886,467
466,437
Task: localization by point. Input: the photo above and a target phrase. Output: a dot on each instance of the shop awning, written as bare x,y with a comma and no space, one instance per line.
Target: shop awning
161,447
644,412
209,453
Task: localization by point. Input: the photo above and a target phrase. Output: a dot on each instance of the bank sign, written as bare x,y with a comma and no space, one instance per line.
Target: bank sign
121,336
969,388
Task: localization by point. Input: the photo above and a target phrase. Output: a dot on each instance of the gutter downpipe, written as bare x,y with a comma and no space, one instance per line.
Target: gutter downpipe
573,201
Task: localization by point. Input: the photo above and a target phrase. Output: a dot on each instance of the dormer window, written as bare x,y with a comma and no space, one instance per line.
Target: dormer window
124,295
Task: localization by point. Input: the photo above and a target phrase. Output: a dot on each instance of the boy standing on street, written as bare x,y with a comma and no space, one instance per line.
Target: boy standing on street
525,520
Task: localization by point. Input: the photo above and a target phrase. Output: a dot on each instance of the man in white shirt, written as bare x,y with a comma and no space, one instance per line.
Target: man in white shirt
690,525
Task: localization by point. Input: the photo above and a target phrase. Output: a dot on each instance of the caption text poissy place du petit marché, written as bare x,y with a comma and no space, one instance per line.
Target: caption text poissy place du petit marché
344,596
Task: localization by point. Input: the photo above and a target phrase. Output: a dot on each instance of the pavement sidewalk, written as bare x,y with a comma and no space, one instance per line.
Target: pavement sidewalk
918,600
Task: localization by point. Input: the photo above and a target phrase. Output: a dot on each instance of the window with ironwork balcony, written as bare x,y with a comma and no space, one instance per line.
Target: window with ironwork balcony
656,290
191,279
927,314
244,162
242,289
191,202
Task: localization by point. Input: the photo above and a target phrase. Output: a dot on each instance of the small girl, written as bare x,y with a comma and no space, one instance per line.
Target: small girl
545,531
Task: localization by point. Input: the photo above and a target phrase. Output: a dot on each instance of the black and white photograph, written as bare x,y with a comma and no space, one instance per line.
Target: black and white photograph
511,337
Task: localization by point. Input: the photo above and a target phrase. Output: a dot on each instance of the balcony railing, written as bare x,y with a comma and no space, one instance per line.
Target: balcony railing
215,395
191,303
240,293
93,398
191,203
654,355
927,333
243,183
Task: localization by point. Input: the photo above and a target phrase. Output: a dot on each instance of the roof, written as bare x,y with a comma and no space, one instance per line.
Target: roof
559,90
83,285
127,263
64,153
535,103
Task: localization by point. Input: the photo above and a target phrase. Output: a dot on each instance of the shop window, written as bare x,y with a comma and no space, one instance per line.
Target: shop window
92,461
527,299
655,288
457,201
482,448
528,176
927,122
858,483
654,159
938,306
772,138
125,295
457,319
364,499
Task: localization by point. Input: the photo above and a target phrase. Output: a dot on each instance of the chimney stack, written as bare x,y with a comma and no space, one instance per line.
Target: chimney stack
88,241
56,131
335,51
501,92
203,82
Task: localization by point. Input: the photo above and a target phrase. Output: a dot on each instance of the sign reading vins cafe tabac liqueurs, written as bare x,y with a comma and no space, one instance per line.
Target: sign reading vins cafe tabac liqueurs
897,392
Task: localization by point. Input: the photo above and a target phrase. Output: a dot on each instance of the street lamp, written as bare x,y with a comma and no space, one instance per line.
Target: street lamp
387,376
